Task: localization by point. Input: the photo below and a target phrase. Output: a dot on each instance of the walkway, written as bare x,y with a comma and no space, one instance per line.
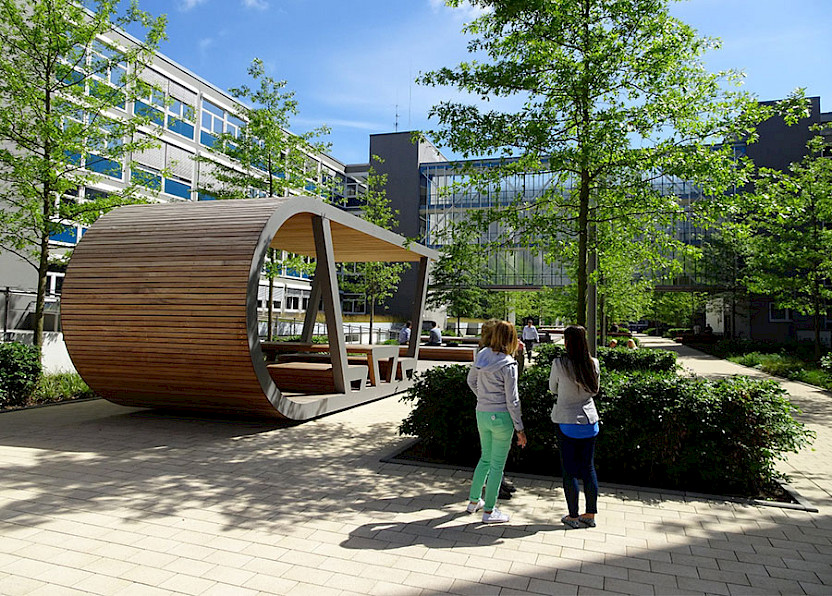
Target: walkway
97,498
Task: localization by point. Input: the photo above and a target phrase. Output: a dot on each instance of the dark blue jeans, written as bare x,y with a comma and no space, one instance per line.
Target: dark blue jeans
577,460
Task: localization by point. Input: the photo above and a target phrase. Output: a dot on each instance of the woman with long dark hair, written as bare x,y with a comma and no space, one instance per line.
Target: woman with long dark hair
575,380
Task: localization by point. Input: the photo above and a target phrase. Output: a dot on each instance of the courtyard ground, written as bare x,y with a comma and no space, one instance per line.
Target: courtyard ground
101,499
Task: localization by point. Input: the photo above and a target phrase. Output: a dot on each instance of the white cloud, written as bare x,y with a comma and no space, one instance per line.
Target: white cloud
256,4
466,11
340,123
205,44
185,5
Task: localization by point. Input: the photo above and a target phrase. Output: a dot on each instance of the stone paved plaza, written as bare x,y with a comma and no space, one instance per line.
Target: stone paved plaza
101,499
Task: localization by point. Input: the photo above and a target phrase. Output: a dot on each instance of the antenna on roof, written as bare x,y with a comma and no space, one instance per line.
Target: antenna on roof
397,118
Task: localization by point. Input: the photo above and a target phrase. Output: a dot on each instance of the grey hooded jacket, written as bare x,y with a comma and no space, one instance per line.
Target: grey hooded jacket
493,379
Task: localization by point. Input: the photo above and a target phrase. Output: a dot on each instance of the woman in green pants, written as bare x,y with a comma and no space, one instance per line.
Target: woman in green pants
493,379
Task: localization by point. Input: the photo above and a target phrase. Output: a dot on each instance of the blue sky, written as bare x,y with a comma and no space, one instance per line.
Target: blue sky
352,63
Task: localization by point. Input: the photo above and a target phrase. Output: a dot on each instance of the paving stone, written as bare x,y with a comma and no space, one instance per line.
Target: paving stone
170,505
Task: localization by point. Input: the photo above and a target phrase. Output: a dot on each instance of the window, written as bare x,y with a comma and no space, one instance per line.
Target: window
181,114
108,70
66,234
54,283
353,304
167,168
778,315
102,149
216,121
168,104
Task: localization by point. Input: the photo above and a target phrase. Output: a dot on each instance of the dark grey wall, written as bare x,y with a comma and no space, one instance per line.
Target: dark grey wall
401,165
401,158
779,145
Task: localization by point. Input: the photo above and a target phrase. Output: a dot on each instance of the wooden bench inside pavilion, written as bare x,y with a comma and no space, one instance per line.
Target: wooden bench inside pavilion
159,309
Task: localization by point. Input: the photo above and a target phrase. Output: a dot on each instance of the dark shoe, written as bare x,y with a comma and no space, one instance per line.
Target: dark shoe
589,522
503,495
508,485
572,522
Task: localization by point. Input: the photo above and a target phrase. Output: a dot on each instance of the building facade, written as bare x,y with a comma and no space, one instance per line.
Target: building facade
187,113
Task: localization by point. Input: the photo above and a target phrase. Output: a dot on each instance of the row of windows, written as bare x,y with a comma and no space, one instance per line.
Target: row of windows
173,107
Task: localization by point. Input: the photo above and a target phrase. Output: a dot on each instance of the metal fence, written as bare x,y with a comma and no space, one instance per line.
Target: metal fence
17,307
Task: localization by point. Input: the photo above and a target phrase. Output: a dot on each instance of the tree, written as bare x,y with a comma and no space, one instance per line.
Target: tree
610,97
789,234
458,276
63,119
257,156
377,280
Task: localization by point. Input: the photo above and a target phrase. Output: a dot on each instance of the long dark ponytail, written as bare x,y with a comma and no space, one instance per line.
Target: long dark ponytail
577,352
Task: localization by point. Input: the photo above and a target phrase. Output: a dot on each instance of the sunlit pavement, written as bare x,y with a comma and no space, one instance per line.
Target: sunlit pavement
97,498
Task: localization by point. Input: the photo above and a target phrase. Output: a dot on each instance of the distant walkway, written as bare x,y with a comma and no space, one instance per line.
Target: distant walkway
811,469
101,499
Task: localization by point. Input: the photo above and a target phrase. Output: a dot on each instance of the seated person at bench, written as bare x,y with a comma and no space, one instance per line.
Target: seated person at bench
435,336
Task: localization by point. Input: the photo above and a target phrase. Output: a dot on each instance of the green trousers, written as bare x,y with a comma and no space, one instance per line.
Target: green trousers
496,431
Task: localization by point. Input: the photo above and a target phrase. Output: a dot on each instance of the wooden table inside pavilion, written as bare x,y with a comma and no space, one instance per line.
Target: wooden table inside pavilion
373,352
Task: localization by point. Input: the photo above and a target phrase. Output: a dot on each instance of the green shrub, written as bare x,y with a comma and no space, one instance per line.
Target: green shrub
545,353
316,339
727,347
623,359
60,387
615,358
651,331
658,429
19,372
443,413
677,332
752,359
689,433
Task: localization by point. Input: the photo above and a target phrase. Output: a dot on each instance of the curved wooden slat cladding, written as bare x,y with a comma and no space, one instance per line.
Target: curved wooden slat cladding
154,307
159,303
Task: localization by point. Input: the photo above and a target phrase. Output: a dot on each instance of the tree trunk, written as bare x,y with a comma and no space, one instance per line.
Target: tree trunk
816,316
372,317
602,325
583,235
40,301
270,315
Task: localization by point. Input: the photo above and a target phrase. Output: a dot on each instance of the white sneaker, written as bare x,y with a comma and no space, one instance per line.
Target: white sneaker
495,517
474,507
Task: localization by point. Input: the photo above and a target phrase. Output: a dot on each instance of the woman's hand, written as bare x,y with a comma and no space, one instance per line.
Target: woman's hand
521,438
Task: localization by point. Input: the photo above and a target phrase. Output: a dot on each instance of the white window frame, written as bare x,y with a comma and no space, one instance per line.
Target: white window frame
772,318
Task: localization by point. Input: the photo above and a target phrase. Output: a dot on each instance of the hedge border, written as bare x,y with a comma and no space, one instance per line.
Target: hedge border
801,503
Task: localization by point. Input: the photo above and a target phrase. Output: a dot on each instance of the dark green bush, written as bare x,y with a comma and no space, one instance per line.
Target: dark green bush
677,332
624,359
545,353
658,429
443,413
615,358
738,347
694,434
19,372
59,387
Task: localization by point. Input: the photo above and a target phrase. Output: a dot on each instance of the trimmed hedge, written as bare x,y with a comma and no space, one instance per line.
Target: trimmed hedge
19,372
658,429
695,434
616,358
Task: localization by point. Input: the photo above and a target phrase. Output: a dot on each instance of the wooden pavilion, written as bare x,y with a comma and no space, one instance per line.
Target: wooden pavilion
159,307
